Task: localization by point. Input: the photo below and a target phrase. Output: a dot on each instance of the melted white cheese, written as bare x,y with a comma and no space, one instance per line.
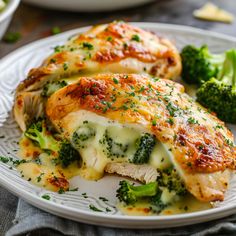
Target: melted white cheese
94,157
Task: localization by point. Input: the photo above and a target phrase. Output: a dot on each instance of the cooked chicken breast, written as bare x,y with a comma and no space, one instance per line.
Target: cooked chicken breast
199,145
142,173
116,48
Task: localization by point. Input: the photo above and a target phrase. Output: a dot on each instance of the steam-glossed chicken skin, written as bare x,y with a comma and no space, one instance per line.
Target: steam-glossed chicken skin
114,48
200,146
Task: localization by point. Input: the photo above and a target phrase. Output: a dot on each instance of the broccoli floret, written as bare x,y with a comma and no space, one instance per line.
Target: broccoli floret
168,189
38,133
219,94
199,64
67,154
170,179
157,203
52,87
130,194
144,146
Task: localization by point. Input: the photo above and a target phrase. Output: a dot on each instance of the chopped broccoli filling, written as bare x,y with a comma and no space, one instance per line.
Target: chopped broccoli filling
113,148
170,179
115,142
67,154
144,146
168,189
38,133
82,134
50,88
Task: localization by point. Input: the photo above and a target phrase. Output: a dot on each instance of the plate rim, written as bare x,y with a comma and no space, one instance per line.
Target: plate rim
105,219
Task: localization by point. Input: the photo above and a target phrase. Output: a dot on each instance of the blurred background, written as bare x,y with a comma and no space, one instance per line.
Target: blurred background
31,22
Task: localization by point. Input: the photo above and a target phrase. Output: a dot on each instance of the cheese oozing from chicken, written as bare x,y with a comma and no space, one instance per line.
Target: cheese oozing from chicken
199,145
101,141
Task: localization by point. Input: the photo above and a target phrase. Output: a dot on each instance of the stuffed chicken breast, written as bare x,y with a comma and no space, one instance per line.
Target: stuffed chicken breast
127,118
115,48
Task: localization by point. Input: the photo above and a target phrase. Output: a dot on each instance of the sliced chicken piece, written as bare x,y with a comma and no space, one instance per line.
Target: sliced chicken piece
28,106
142,173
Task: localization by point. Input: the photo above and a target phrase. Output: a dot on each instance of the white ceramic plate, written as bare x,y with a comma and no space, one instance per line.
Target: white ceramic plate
87,5
73,205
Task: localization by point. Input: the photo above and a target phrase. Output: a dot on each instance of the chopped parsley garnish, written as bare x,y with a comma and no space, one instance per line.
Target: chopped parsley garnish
56,30
61,191
53,60
172,109
39,178
103,199
115,80
87,45
38,161
192,120
58,48
229,142
125,45
109,38
132,94
93,208
189,164
136,38
46,196
186,208
154,122
65,66
18,162
141,89
74,189
11,37
108,210
124,107
170,121
4,159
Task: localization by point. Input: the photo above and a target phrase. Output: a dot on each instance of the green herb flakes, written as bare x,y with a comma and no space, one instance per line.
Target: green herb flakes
136,38
46,197
93,208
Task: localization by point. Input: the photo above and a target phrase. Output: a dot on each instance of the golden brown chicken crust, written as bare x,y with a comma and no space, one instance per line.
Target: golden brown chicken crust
198,140
117,47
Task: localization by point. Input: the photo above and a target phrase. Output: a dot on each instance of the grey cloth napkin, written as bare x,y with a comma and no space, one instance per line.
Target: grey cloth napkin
31,221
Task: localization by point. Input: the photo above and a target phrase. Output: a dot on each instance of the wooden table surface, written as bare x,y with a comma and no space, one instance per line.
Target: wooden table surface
34,23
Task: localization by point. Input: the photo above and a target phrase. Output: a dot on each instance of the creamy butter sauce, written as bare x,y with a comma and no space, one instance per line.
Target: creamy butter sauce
41,169
185,205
